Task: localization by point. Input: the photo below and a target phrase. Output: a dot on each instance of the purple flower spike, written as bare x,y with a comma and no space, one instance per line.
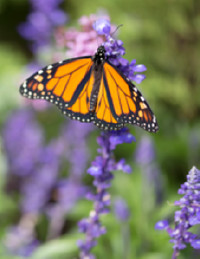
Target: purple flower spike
114,51
188,215
145,152
23,140
102,26
101,170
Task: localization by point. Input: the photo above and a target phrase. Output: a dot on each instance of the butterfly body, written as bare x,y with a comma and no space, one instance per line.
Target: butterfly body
97,69
91,89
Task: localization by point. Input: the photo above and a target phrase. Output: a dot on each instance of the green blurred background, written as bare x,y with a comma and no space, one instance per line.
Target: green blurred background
163,35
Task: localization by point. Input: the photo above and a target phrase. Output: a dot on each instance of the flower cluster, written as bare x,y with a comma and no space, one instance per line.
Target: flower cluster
33,172
188,215
114,51
21,240
121,209
97,31
81,42
101,170
45,16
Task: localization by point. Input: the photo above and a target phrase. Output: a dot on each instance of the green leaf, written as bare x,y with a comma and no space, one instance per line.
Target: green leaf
60,249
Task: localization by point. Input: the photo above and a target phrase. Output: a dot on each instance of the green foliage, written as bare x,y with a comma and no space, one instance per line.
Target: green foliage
64,248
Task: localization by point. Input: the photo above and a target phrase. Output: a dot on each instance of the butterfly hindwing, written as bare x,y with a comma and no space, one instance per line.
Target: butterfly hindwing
68,84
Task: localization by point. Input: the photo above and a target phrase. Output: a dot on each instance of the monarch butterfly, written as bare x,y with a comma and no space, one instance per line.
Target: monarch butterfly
91,89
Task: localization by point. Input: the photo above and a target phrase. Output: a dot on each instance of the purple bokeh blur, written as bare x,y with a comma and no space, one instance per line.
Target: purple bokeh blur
41,22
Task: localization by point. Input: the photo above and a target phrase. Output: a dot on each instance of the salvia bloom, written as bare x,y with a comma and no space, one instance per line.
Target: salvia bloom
23,139
187,216
20,240
44,18
33,165
145,157
81,42
33,171
94,32
70,189
121,209
101,170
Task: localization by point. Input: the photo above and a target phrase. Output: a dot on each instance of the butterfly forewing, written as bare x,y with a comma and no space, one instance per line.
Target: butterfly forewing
67,84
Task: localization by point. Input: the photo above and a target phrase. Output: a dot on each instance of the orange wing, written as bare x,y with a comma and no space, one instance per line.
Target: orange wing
120,102
68,84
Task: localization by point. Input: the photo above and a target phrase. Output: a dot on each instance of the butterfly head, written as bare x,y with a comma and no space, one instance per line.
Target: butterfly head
99,57
101,49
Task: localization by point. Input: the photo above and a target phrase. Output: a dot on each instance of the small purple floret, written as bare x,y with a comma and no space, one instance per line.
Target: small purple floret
102,26
160,225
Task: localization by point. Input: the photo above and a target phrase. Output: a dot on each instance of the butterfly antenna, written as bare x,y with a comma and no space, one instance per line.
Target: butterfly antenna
116,29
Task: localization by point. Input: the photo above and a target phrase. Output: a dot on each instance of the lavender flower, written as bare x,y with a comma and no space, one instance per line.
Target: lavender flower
145,152
41,181
22,138
188,215
101,170
41,22
102,26
35,167
21,240
122,212
83,42
71,189
77,148
146,158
